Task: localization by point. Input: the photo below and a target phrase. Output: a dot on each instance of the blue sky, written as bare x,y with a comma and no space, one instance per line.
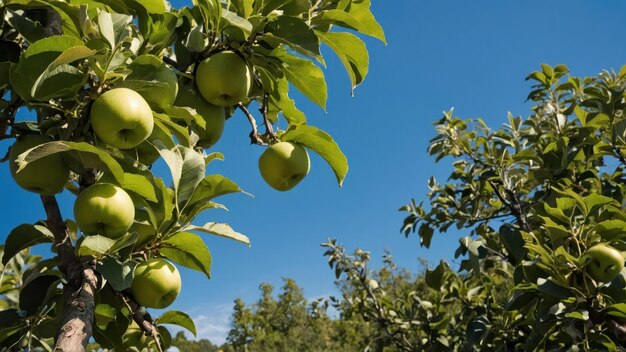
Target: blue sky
473,56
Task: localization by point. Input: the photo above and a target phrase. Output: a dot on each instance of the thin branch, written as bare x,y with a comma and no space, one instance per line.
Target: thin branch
173,63
144,320
7,115
264,109
255,138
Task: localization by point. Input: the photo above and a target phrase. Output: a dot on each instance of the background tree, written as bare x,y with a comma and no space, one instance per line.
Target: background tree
116,85
541,201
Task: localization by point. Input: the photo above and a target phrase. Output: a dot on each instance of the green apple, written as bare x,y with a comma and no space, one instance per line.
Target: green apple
121,118
224,79
284,165
606,262
156,283
104,209
296,7
151,68
47,175
213,116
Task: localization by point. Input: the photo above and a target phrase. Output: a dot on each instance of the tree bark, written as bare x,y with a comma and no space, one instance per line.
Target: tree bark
80,285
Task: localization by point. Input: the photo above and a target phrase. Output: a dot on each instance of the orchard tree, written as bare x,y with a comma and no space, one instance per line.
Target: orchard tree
115,85
540,202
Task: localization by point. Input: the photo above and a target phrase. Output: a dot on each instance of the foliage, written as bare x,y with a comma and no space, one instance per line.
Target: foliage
57,57
531,198
291,323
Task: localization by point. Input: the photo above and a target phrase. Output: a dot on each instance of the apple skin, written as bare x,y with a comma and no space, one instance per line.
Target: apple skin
606,263
224,79
156,283
158,98
134,337
121,118
284,165
104,209
214,116
47,175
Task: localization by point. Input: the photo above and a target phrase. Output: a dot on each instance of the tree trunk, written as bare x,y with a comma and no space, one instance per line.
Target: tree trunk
75,329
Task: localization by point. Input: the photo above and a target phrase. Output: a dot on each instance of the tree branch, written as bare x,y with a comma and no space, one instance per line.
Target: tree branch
80,285
255,138
144,320
269,131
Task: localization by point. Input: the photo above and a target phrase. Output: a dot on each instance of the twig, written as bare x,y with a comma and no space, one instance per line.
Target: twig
255,138
269,131
173,63
144,320
7,115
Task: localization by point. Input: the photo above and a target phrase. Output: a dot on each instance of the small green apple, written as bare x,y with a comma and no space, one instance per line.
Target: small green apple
121,118
284,165
224,79
606,262
104,209
151,68
214,116
156,283
47,175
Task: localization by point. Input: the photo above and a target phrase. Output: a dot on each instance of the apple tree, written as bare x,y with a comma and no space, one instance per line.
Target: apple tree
113,86
540,205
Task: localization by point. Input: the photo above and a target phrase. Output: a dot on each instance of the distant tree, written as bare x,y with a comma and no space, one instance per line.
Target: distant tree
203,345
289,323
540,202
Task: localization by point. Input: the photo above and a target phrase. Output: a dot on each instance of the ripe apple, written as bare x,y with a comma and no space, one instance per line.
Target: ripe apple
214,116
156,283
47,175
296,7
224,79
284,165
606,262
160,98
104,209
121,118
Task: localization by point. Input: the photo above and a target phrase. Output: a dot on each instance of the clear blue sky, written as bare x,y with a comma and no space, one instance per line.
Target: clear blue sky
440,54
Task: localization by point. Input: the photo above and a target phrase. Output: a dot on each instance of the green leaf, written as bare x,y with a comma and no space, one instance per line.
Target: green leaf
177,318
188,250
104,314
352,20
88,155
616,310
140,184
321,143
33,295
306,77
223,230
352,53
24,236
119,275
95,246
279,101
212,186
294,32
611,230
434,278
